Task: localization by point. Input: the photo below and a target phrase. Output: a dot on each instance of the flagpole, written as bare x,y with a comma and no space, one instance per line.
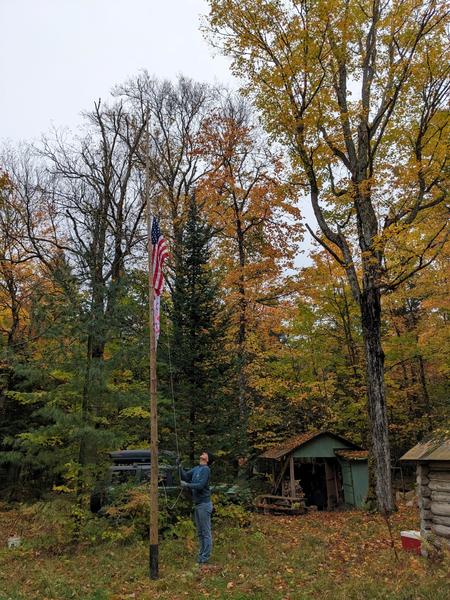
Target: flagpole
153,541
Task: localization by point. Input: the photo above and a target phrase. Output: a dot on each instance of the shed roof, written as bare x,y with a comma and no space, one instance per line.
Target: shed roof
434,448
291,444
352,454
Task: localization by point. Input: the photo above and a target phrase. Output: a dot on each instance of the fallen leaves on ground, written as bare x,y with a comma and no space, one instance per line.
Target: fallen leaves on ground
342,555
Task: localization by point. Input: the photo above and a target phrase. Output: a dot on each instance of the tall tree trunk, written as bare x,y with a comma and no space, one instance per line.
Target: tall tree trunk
241,348
84,417
13,333
242,334
351,345
425,395
370,305
95,348
405,380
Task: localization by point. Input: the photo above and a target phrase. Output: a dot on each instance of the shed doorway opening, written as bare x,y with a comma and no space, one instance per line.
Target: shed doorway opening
312,480
321,481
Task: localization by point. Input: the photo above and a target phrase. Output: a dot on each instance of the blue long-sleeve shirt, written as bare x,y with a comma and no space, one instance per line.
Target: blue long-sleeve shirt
198,481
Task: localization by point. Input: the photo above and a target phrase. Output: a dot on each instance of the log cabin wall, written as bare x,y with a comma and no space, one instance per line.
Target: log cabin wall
433,490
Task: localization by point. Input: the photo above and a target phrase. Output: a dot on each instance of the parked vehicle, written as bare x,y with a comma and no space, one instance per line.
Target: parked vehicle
132,467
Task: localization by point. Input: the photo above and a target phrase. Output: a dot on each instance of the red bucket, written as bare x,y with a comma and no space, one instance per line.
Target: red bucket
411,541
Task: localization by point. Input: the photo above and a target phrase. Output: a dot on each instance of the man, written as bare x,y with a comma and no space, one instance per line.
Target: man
197,480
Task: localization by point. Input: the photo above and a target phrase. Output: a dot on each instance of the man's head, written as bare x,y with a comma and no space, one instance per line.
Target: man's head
204,458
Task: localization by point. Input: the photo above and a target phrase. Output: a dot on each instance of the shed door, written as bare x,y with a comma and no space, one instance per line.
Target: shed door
347,482
331,481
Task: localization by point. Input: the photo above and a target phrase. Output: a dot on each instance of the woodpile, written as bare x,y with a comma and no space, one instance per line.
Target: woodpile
271,504
433,490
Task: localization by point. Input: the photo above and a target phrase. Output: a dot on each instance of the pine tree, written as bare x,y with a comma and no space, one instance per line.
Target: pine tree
197,336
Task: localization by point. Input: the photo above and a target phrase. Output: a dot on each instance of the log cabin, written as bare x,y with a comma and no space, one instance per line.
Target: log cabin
432,459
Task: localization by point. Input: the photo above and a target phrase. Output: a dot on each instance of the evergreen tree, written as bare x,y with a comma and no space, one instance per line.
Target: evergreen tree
198,337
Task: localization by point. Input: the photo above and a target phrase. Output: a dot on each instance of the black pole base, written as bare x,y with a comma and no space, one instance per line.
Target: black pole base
154,571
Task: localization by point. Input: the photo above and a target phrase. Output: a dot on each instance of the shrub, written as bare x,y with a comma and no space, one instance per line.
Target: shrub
229,513
130,508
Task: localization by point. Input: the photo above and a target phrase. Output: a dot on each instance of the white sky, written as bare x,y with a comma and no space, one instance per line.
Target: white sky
59,56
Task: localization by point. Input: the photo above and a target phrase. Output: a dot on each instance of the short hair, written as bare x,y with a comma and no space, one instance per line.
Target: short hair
210,456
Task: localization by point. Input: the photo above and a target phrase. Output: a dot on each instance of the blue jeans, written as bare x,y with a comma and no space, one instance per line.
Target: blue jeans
202,517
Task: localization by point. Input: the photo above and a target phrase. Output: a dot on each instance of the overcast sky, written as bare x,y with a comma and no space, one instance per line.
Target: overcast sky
58,56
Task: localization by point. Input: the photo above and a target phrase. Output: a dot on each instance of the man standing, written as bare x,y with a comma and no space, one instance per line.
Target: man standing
197,480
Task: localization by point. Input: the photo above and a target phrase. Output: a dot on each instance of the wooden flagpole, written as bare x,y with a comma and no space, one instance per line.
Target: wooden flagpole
153,547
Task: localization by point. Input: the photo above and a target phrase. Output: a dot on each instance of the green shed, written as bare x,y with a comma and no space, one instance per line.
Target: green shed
320,467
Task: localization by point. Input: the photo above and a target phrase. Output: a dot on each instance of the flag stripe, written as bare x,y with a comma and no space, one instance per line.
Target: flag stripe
160,254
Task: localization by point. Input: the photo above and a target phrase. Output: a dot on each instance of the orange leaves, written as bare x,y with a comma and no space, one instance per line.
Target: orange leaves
247,200
244,193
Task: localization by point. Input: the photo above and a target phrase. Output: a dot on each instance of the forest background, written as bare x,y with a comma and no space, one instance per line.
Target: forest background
258,350
253,349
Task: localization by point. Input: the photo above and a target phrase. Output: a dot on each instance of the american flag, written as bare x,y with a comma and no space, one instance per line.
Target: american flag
159,254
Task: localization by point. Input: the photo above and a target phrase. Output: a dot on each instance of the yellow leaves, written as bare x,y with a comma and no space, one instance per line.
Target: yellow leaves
220,453
122,379
118,535
290,54
71,472
61,376
26,398
101,420
63,489
37,438
124,375
136,412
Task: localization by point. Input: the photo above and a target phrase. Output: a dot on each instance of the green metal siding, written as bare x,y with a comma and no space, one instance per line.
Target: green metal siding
360,481
347,482
355,480
320,447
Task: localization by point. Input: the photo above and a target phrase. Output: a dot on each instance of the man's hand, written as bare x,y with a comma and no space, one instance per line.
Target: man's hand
184,484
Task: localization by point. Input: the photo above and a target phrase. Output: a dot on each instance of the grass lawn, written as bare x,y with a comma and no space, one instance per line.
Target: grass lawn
322,555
